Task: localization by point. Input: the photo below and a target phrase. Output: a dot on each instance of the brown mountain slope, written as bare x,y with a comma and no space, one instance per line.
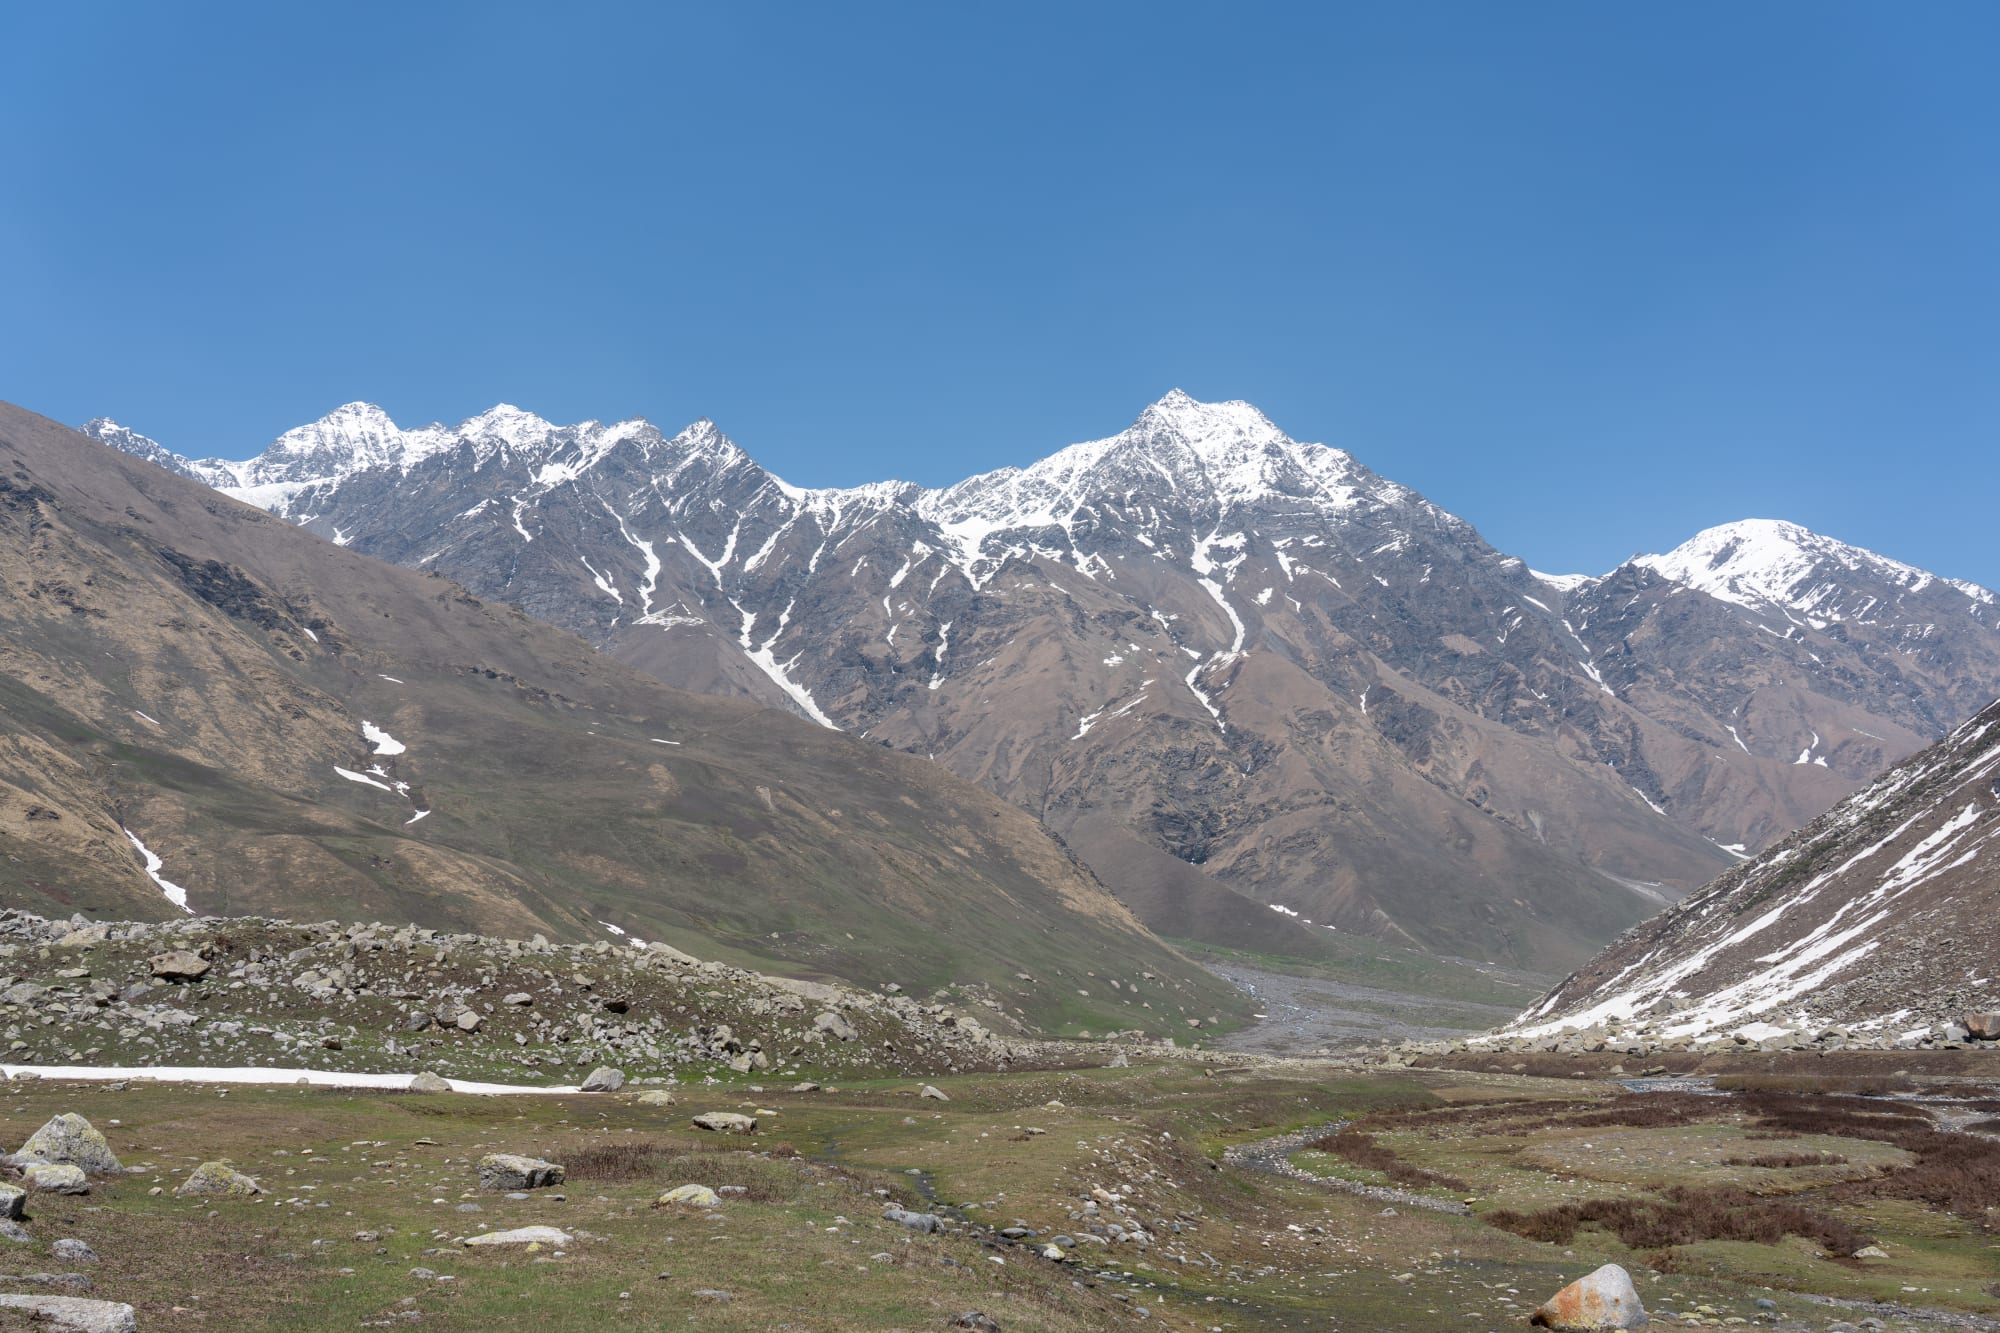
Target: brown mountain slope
297,730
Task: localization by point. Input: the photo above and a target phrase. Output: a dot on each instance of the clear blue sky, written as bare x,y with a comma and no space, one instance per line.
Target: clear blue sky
1592,275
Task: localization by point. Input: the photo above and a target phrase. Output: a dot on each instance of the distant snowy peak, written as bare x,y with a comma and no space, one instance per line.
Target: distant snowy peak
1180,454
209,471
1767,564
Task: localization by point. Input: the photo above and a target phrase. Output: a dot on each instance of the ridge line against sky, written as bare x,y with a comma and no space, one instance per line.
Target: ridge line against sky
1595,278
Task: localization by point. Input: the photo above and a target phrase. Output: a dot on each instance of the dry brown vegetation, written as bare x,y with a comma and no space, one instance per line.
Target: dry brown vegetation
1785,1160
1684,1216
1363,1151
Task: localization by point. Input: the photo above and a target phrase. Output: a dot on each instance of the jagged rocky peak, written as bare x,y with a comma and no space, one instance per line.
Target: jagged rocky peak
1766,563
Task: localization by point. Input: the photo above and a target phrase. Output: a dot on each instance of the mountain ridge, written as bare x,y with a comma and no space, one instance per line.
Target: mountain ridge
198,699
1201,636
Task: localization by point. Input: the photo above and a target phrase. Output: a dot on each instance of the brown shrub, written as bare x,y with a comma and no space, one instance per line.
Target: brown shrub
1684,1216
614,1161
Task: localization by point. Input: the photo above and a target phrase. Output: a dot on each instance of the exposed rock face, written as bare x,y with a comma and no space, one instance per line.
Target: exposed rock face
1602,1300
1875,919
1233,671
507,1171
219,1179
69,1138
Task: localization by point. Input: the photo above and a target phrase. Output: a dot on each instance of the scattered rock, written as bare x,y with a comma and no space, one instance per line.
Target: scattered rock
604,1079
75,1314
13,1199
72,1140
656,1097
522,1236
219,1179
1870,1252
429,1082
510,1171
72,1251
56,1178
726,1122
711,1295
178,965
694,1196
928,1091
467,1021
977,1321
1605,1299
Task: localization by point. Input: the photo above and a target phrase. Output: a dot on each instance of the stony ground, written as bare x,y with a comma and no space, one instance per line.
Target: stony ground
369,1198
1055,1186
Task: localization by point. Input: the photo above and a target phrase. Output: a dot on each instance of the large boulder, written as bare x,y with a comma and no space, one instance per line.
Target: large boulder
604,1079
74,1314
835,1026
508,1171
924,1222
656,1097
1598,1301
428,1082
178,965
56,1178
1982,1026
220,1180
694,1196
522,1236
70,1139
726,1122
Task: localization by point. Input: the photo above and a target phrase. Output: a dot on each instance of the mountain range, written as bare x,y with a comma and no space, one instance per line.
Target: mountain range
204,709
1260,690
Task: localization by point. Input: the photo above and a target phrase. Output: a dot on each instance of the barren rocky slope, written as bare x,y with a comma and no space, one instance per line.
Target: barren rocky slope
1875,921
204,708
1252,683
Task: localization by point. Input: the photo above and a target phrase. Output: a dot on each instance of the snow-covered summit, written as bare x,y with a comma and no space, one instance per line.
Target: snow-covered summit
1770,564
1181,452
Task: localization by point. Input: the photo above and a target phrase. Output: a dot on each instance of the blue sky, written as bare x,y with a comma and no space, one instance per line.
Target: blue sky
1593,276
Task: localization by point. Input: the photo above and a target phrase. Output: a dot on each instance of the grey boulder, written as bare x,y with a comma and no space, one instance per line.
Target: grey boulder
74,1314
69,1139
510,1171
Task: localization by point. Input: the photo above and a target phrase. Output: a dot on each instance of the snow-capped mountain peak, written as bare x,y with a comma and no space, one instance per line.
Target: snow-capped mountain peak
1770,564
508,425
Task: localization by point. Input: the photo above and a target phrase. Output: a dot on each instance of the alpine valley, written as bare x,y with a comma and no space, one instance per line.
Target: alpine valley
1261,691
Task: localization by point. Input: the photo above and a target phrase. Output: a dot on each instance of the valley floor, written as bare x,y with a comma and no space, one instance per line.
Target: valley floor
370,1196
